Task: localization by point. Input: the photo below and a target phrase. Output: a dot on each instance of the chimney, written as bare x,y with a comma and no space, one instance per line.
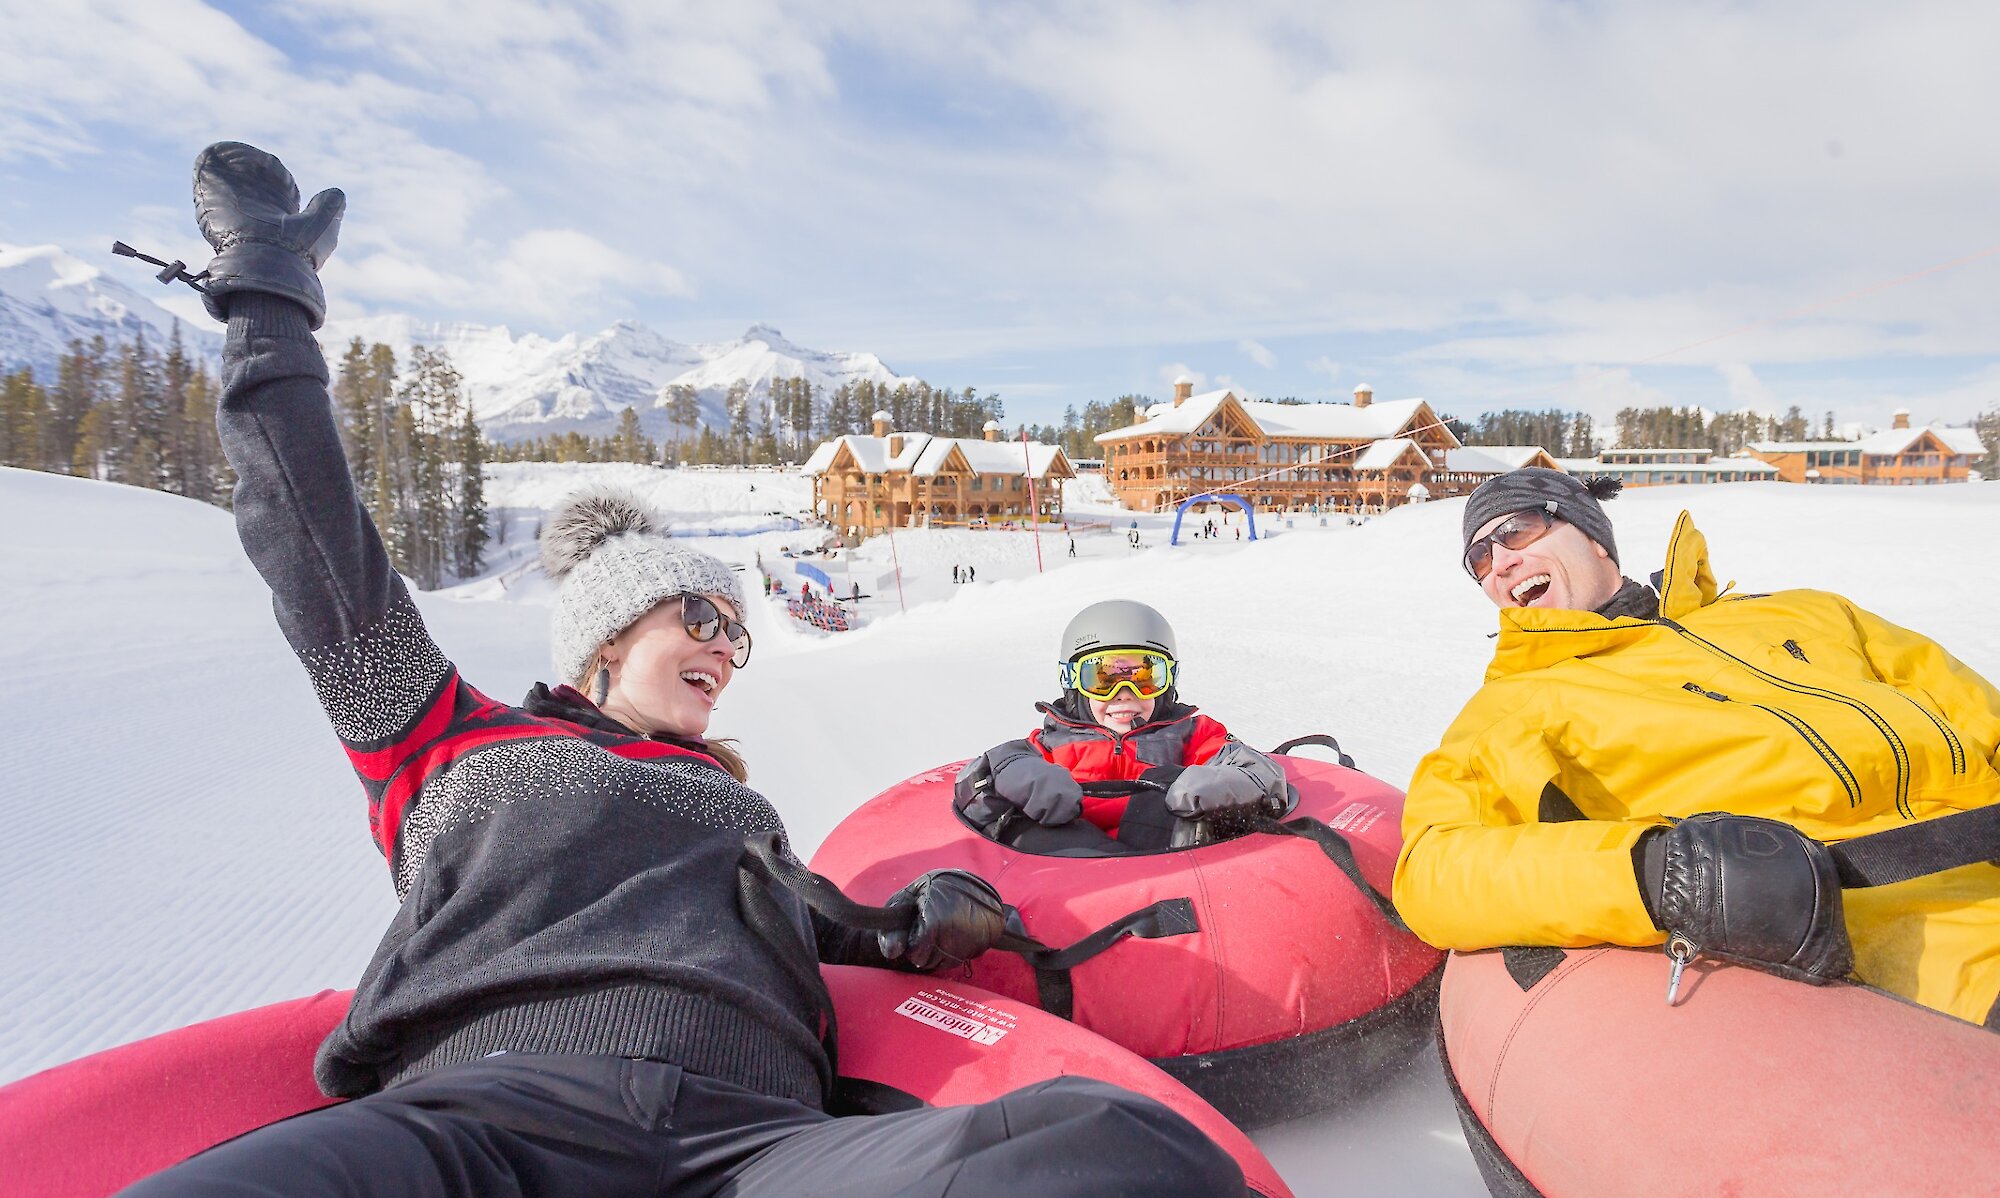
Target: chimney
1364,395
881,420
895,444
1183,390
992,430
1901,418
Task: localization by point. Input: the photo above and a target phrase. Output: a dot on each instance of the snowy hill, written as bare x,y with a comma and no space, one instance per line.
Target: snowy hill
185,839
530,386
49,298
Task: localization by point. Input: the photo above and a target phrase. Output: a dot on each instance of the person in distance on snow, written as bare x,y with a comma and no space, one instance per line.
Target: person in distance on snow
584,989
1668,764
1119,718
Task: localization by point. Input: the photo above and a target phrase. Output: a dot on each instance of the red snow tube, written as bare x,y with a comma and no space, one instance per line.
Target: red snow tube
1573,1076
93,1126
1253,970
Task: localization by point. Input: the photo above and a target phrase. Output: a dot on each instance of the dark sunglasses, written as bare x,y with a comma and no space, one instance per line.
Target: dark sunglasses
703,622
1517,531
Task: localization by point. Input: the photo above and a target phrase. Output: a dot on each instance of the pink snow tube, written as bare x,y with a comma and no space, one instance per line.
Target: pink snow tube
1574,1076
93,1126
1254,970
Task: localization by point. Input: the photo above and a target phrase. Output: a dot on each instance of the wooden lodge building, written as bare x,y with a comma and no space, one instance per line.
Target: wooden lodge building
1363,456
1900,456
865,484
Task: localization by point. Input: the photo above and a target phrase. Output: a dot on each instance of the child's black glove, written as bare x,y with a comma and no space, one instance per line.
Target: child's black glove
1014,777
1203,790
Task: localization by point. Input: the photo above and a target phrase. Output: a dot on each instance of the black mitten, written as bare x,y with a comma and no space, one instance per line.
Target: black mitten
248,208
959,917
1746,889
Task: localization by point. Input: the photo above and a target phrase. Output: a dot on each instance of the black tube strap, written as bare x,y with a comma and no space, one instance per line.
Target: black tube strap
1320,739
766,856
1931,846
1338,851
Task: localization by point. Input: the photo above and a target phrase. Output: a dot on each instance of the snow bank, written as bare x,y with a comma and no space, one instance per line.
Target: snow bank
185,838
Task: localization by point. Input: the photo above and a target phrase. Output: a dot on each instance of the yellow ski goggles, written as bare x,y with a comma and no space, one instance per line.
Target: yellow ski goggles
1103,674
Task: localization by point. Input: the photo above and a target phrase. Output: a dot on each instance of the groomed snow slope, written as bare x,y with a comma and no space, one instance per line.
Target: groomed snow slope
184,838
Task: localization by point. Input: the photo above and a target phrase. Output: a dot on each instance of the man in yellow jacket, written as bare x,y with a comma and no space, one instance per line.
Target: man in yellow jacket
1575,800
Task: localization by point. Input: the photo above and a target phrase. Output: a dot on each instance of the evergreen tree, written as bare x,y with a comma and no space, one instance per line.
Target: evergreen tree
22,412
75,393
178,472
683,411
1987,425
472,534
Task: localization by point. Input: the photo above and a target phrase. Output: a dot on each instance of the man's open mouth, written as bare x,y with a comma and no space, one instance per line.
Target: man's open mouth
1528,590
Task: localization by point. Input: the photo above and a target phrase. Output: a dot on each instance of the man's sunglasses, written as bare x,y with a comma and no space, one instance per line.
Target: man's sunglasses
1517,531
703,622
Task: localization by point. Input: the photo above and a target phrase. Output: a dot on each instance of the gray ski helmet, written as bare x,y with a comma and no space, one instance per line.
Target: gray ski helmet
1116,624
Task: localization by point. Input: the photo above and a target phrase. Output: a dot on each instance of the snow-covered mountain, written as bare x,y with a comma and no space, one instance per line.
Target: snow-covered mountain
521,385
529,386
49,297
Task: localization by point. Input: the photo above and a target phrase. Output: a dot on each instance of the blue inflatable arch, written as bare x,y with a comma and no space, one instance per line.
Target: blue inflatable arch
1175,537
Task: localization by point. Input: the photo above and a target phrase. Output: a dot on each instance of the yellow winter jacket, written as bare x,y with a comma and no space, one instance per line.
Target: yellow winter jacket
1796,706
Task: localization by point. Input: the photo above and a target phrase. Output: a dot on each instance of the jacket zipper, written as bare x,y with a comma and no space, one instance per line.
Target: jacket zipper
1896,745
1944,729
1819,743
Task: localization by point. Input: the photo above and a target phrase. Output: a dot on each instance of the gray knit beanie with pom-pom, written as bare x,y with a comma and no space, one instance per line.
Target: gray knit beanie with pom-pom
1578,501
612,557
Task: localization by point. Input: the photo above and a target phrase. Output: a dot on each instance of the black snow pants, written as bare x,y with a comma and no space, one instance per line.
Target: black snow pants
523,1124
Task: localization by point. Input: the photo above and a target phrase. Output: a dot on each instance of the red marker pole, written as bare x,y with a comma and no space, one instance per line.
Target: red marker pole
1034,509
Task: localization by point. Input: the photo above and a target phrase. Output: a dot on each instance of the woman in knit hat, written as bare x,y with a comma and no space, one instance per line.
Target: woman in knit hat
585,990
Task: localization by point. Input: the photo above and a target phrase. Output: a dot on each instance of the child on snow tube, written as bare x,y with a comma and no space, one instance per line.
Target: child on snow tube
1119,719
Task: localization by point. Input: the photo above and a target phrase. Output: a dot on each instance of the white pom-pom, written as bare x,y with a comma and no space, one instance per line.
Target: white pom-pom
587,519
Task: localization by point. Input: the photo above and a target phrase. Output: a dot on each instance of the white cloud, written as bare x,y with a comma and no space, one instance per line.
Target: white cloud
1746,390
1524,187
1324,365
1257,353
1179,370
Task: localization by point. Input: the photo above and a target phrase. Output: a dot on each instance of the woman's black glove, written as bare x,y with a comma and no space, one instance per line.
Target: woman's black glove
248,208
959,917
1746,889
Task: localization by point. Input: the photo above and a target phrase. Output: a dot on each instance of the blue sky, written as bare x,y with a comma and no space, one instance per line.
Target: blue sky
1506,204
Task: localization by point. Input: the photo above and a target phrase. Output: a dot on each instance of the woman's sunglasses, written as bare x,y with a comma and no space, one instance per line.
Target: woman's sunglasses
1517,531
703,622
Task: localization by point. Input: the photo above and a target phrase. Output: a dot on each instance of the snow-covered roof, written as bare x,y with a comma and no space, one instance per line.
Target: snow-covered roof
1587,466
1382,454
1515,456
1886,443
1323,421
925,455
1895,440
1478,459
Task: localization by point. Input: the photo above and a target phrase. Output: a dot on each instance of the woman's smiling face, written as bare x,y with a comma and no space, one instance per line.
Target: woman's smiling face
664,680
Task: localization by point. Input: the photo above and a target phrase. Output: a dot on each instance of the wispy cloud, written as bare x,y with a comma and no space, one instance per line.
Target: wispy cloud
1510,197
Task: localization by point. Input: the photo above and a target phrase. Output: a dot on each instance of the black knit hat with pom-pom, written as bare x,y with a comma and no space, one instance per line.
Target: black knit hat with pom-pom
1571,499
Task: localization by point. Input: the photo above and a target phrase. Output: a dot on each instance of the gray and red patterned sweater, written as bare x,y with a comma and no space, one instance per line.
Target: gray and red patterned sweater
566,886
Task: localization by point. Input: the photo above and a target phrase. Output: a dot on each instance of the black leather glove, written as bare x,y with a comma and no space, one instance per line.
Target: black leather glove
1016,777
959,917
1751,890
1203,790
248,208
